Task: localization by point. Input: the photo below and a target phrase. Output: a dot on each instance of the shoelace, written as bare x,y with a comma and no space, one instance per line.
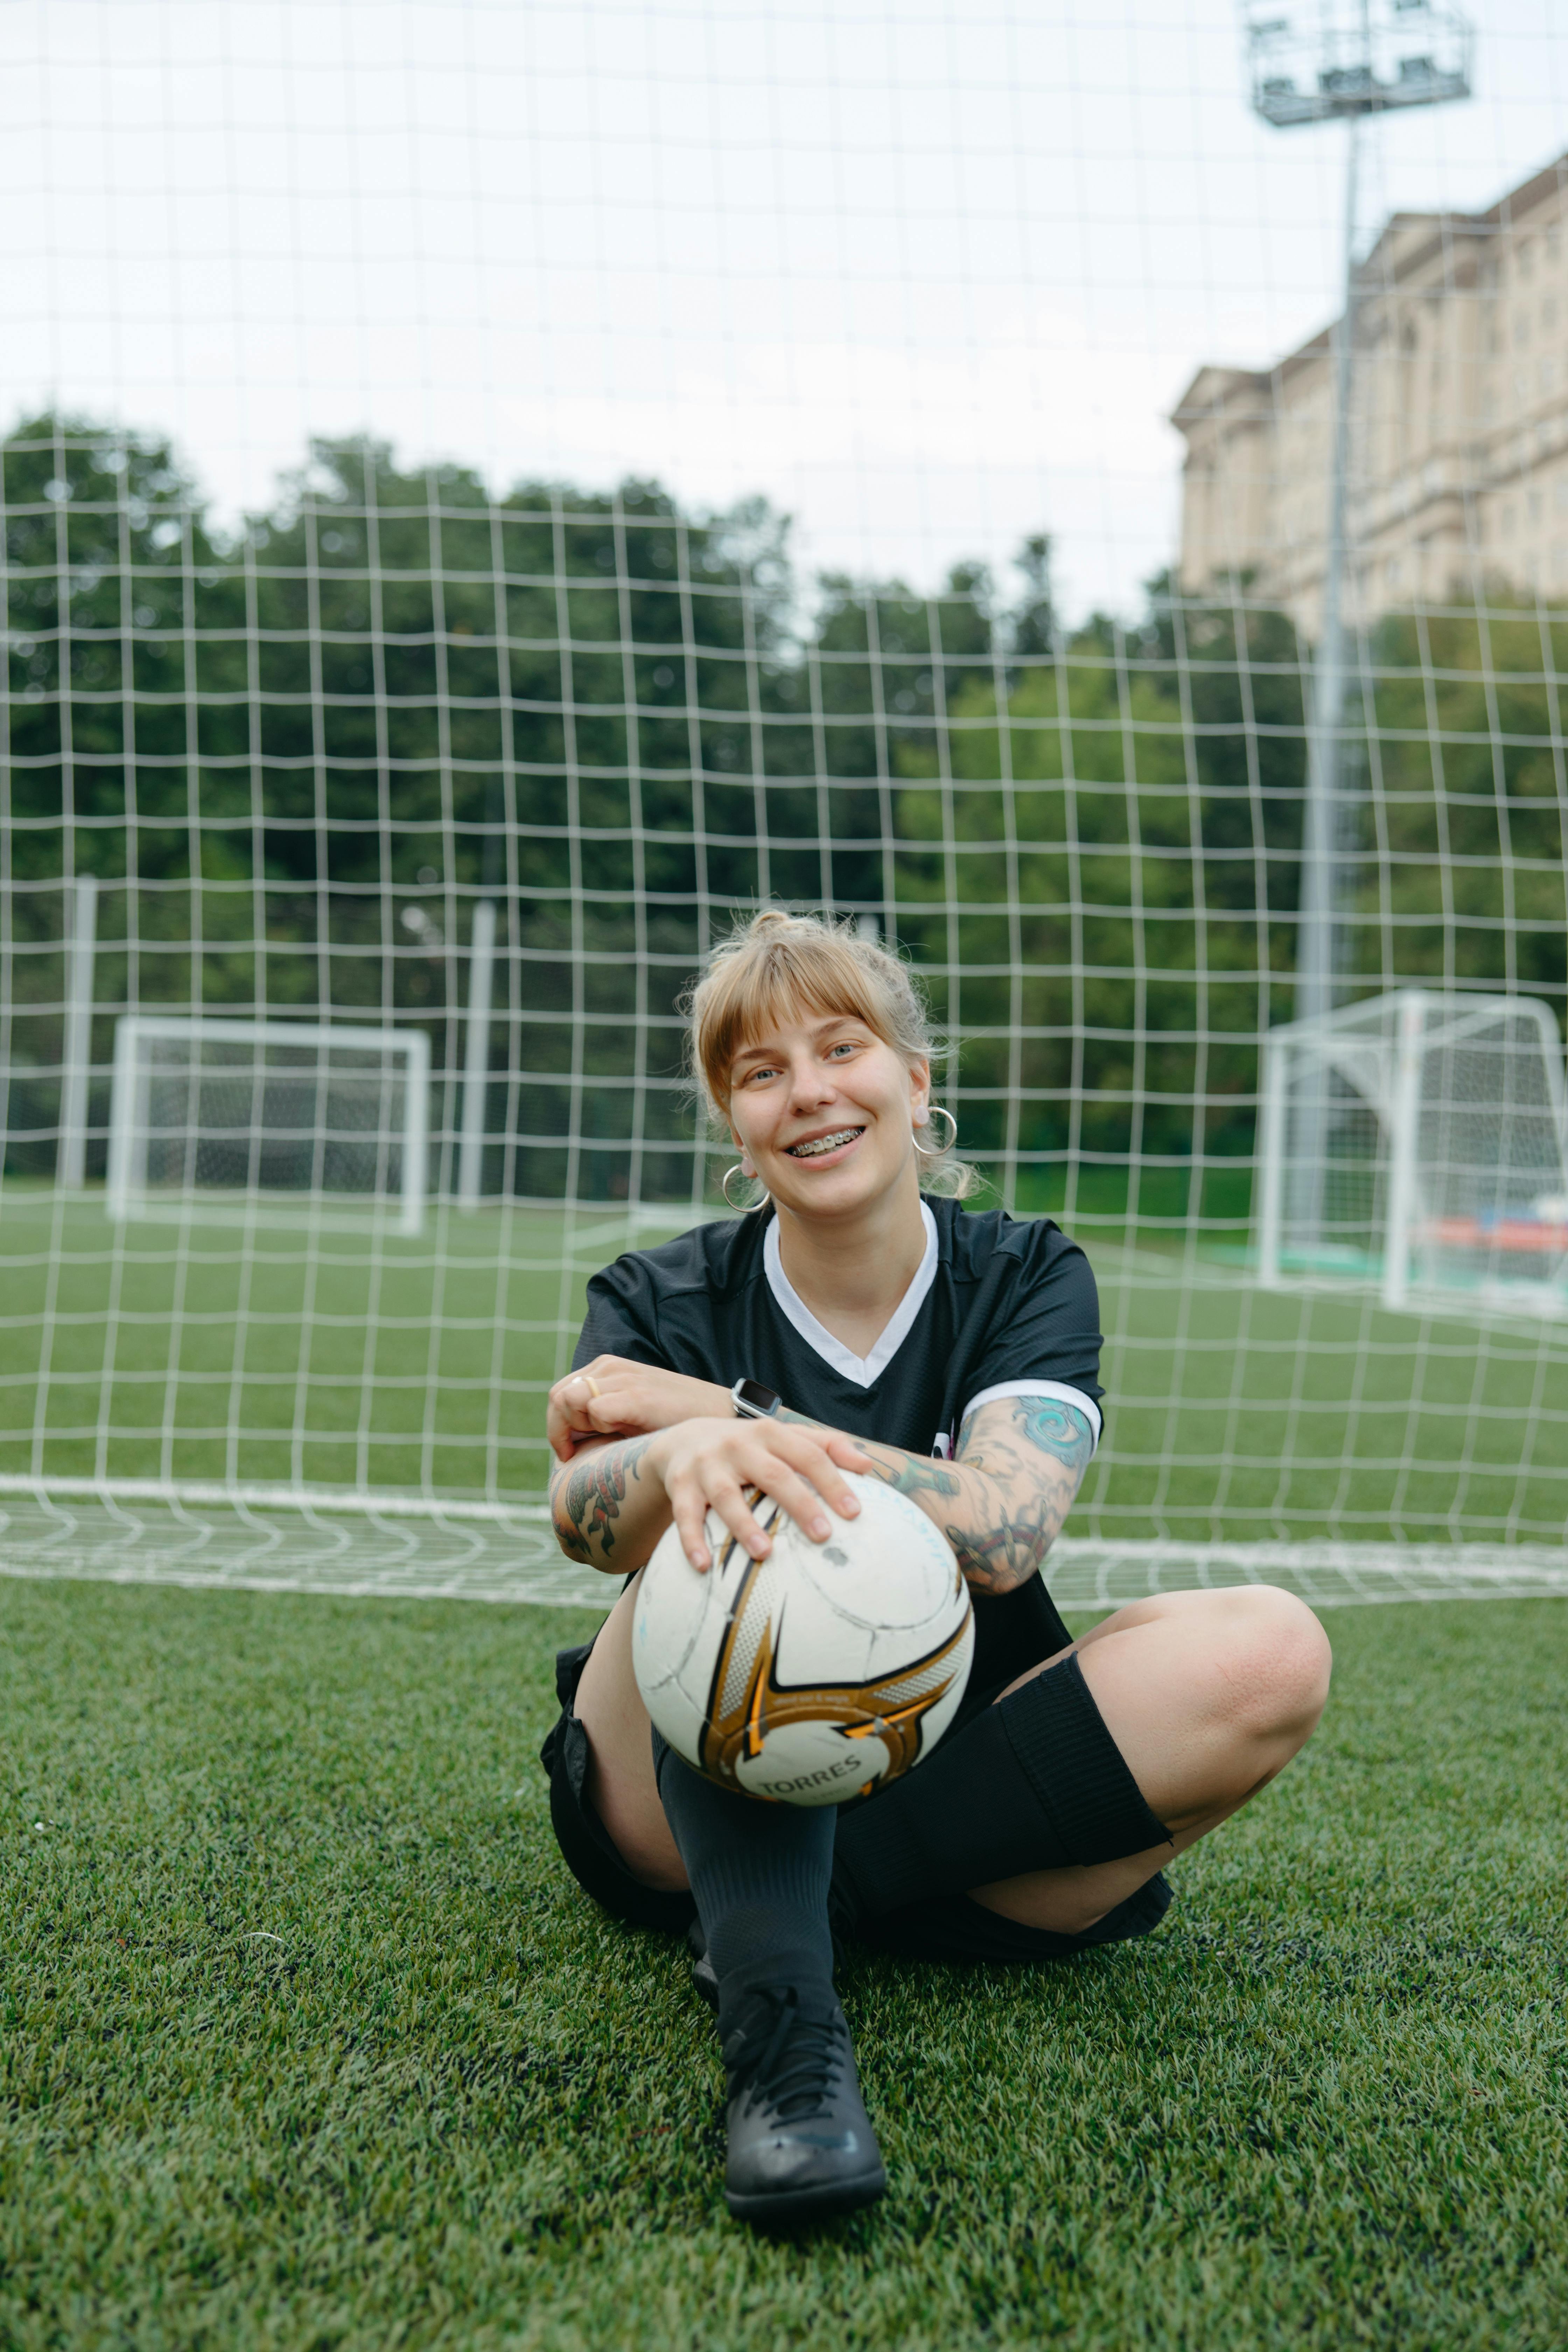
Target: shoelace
801,2062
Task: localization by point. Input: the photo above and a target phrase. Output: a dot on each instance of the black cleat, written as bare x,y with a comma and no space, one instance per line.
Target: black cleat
801,2145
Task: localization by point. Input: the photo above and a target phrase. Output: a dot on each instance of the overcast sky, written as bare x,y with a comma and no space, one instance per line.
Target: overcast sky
929,274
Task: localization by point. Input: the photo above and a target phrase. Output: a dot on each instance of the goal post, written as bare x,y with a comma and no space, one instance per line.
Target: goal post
210,1110
1417,1142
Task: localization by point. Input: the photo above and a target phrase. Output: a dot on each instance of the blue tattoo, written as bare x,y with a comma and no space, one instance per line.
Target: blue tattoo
1056,1428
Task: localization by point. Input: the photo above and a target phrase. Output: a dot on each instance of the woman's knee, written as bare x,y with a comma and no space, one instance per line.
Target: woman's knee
1272,1664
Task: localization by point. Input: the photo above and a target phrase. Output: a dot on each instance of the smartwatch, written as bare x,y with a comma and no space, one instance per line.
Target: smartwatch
753,1402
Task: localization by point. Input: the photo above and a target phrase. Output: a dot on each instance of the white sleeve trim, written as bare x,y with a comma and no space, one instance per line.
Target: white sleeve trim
1060,1390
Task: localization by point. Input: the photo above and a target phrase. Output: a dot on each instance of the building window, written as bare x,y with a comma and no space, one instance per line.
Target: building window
1522,330
1505,519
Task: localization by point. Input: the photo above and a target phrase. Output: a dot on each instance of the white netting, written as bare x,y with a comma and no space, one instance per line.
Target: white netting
494,491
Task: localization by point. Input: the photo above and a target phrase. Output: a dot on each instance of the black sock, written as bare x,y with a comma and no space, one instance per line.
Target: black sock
1032,1783
760,1876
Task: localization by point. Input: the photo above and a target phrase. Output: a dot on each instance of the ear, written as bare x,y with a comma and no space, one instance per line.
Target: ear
920,1091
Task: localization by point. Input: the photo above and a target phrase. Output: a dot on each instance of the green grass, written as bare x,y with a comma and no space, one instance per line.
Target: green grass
309,2041
171,1350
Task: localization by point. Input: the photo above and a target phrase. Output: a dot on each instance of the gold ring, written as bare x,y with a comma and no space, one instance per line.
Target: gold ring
589,1383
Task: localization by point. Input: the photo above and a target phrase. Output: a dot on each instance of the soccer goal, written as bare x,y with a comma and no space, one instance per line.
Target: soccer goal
1418,1141
252,1114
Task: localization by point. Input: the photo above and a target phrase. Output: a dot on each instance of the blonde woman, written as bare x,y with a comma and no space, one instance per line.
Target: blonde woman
853,1317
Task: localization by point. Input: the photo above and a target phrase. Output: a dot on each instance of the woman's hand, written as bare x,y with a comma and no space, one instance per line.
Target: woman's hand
612,1397
707,1465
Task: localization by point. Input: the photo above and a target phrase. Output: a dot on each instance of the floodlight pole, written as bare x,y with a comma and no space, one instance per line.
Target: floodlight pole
1315,933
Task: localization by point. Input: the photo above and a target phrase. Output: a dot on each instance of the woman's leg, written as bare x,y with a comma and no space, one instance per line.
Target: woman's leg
1207,1696
800,2141
621,1783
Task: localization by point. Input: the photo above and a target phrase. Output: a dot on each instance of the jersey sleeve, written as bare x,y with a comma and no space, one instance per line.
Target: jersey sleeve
1045,1340
622,1317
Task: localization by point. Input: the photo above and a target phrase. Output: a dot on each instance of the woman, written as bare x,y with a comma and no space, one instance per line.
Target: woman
854,1321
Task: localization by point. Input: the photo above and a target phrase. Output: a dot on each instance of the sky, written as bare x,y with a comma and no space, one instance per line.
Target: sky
929,276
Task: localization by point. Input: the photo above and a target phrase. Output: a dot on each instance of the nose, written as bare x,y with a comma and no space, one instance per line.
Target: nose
809,1082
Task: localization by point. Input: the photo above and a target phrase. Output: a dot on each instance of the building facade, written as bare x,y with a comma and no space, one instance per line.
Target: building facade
1458,467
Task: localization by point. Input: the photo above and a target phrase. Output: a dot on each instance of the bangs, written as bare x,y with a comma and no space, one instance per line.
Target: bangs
746,997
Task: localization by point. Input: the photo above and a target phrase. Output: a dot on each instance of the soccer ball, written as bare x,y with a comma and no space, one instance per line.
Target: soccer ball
813,1674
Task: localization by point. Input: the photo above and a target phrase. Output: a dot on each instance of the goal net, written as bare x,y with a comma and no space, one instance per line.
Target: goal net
493,494
207,1114
1418,1141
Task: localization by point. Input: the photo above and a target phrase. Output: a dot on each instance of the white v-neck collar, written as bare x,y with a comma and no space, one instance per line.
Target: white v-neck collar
861,1370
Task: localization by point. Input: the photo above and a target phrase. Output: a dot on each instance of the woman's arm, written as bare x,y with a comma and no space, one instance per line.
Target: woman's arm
637,1445
1001,1500
613,1498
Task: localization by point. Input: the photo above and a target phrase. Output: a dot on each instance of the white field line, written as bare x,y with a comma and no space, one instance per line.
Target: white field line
276,1537
265,1497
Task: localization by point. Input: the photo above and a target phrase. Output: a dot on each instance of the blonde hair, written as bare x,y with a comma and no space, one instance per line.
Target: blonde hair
777,964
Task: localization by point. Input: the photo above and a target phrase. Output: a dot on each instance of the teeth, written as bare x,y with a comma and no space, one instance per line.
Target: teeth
824,1144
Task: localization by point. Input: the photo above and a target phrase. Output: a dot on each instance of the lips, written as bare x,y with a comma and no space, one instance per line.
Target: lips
816,1146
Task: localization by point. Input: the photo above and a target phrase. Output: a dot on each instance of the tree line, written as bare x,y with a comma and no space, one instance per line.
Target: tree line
295,752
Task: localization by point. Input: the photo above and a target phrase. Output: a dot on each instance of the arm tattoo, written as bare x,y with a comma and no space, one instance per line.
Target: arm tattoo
587,1495
1025,1501
906,1474
909,1474
1057,1429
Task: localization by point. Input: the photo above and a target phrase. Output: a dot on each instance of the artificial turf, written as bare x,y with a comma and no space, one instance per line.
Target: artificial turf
311,2042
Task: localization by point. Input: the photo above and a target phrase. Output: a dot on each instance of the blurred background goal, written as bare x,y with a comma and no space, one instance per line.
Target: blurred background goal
493,493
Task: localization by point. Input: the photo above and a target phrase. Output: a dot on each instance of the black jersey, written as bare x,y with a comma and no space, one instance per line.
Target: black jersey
998,1307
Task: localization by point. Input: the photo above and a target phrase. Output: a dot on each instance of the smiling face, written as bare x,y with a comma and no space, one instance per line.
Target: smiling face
823,1109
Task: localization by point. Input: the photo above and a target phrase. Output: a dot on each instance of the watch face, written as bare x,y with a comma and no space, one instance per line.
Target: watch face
751,1397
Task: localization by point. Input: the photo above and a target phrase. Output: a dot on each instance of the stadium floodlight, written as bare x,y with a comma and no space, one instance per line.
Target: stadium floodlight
1440,1123
208,1113
1354,60
1357,60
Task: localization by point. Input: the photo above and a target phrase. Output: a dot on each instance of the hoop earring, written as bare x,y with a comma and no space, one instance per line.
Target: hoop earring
939,1110
741,1208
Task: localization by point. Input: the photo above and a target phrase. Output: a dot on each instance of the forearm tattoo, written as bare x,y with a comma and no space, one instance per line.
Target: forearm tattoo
586,1495
910,1474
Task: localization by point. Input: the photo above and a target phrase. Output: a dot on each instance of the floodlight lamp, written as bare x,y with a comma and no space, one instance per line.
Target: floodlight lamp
1356,60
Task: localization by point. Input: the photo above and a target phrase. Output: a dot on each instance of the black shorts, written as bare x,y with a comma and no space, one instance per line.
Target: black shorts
943,1928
